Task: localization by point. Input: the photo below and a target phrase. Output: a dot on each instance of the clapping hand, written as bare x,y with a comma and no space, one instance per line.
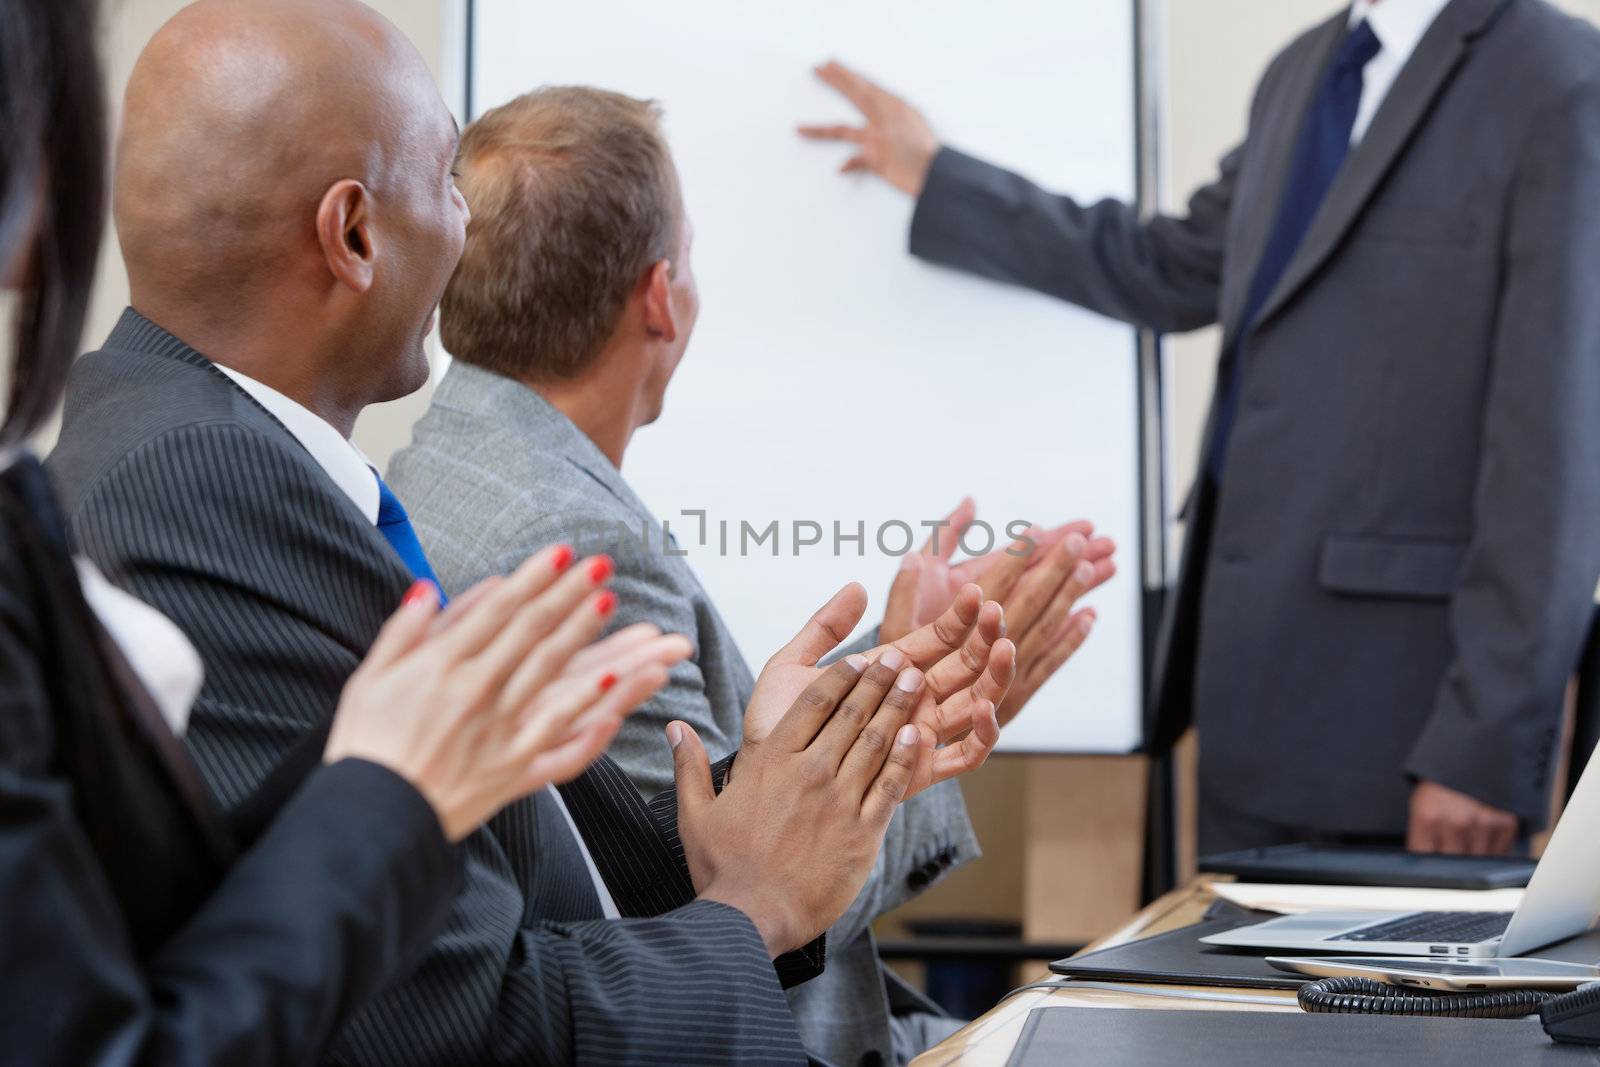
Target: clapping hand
502,693
794,834
1038,579
968,668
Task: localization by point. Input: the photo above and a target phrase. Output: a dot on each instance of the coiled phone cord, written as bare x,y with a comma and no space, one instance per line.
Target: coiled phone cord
1364,996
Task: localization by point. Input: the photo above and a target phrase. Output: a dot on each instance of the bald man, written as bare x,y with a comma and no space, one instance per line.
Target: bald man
288,216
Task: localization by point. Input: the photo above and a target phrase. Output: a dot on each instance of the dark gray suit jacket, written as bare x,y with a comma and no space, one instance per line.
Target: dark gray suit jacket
1395,576
188,493
136,930
495,473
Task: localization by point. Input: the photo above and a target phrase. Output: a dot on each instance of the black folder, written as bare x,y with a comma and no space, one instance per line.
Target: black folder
1178,957
1118,1037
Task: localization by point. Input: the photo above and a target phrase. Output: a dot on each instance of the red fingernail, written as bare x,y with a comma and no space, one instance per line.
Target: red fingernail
607,682
600,569
562,559
606,604
418,591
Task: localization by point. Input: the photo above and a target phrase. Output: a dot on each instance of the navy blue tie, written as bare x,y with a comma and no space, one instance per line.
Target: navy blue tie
1323,144
395,525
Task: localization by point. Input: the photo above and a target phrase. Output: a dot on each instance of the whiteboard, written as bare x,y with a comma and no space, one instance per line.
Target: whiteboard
833,378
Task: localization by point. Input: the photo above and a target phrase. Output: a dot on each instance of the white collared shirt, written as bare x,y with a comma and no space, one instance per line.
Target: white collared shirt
1398,25
161,655
335,453
356,477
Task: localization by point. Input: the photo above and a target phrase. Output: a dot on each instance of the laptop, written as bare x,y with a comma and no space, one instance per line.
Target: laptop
1562,900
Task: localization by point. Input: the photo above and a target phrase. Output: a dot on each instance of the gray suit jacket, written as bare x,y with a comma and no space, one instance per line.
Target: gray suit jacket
188,493
1399,566
494,473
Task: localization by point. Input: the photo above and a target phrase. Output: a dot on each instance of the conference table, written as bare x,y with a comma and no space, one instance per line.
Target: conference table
989,1039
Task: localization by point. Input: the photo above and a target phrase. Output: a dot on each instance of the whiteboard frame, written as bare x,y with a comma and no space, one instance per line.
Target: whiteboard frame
1153,448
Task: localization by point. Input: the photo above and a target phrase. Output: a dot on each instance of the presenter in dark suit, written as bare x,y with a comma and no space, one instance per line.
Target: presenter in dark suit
140,927
1393,545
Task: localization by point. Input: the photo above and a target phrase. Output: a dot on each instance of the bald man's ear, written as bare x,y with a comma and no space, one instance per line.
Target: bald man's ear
659,317
344,230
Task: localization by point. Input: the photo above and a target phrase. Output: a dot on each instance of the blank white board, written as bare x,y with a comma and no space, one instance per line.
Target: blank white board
832,378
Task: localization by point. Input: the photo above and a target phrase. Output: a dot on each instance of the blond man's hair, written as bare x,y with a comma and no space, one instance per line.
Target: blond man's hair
574,196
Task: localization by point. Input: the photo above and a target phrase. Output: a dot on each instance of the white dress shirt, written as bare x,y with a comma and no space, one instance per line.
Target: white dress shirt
1398,25
356,477
162,657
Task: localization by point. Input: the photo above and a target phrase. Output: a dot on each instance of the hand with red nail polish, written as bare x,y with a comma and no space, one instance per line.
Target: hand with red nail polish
504,692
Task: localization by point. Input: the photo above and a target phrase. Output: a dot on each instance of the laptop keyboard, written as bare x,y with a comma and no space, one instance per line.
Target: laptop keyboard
1458,927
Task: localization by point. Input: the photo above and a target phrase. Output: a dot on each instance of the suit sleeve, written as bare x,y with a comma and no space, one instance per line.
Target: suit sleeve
345,887
215,523
1525,596
1163,274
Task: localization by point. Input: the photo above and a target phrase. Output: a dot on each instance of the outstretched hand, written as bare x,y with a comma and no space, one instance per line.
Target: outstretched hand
1038,579
896,144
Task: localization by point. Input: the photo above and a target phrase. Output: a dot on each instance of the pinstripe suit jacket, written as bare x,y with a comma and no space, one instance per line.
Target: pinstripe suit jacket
188,493
135,930
494,470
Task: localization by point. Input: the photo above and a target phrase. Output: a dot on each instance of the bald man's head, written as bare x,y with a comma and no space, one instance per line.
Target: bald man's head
287,163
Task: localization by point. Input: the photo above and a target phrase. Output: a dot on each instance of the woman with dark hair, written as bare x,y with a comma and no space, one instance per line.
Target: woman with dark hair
138,926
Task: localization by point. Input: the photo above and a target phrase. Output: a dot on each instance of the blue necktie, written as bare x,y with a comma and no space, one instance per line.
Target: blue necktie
1323,144
395,526
562,888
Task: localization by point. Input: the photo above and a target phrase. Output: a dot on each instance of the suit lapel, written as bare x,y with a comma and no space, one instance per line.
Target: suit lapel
1276,150
147,719
135,333
345,627
127,692
1437,57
